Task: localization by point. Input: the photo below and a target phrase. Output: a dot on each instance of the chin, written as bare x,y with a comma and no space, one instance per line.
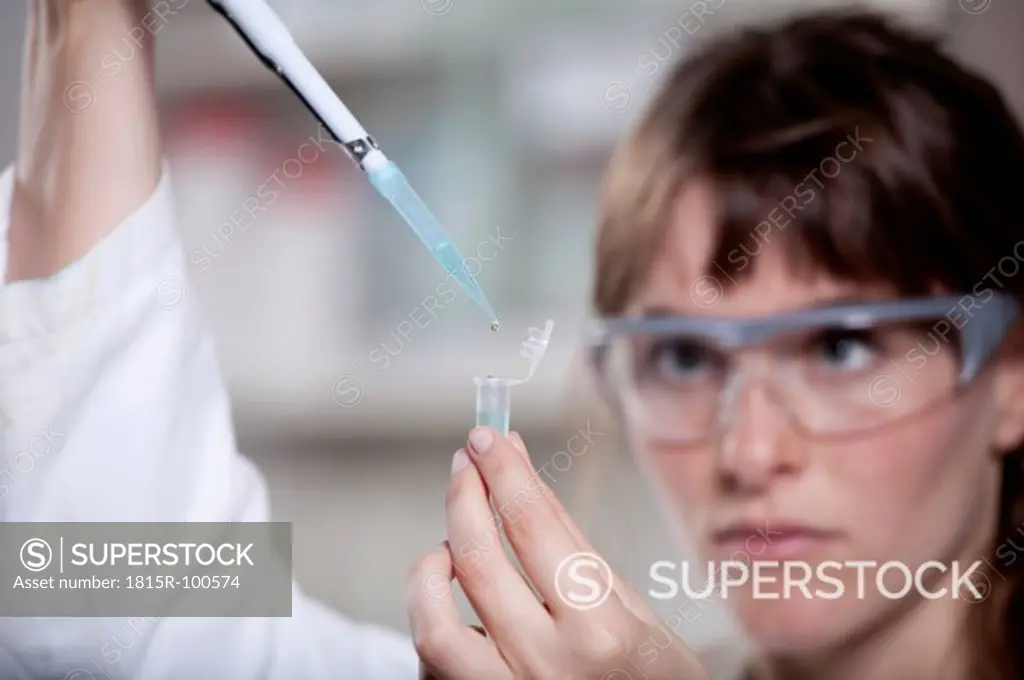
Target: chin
800,626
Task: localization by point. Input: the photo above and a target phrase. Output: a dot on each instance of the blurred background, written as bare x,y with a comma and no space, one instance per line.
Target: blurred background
350,367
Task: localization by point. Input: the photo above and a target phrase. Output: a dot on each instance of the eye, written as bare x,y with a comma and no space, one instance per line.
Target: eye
847,351
676,359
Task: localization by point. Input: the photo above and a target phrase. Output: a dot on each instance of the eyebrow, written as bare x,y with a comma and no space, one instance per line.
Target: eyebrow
849,299
662,311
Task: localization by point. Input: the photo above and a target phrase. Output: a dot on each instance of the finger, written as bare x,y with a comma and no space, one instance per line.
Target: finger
567,521
531,522
501,598
428,673
518,442
622,592
447,648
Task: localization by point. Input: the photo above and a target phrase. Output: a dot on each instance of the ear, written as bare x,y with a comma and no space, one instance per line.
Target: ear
1008,433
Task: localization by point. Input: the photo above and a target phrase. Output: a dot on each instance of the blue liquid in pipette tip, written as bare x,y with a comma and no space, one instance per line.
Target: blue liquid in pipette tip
455,265
392,184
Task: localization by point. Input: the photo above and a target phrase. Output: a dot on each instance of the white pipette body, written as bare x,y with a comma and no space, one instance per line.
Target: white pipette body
265,31
270,39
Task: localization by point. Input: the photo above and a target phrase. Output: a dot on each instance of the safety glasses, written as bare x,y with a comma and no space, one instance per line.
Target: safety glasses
835,371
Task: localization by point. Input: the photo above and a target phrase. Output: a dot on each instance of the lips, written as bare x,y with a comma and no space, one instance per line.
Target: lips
768,540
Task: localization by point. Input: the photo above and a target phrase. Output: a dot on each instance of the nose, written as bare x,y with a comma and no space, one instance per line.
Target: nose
756,442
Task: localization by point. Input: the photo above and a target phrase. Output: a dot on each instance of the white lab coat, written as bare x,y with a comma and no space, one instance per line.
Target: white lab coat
112,408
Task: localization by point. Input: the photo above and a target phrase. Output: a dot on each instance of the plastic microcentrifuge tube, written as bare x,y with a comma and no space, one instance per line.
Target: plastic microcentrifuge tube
493,403
494,396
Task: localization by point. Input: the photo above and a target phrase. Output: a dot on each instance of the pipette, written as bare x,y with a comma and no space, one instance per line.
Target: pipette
494,395
268,37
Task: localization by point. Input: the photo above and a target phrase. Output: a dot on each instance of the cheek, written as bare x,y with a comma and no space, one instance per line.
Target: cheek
904,492
910,490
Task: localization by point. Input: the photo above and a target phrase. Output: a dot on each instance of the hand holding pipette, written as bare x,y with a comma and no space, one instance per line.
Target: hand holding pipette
270,39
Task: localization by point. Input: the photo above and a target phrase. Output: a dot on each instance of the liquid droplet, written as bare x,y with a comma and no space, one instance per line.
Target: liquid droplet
495,326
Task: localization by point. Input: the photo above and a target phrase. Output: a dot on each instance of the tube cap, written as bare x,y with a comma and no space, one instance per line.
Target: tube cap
535,346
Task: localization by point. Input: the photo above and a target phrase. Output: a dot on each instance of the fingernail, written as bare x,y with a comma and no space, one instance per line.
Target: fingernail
521,445
460,461
481,439
517,441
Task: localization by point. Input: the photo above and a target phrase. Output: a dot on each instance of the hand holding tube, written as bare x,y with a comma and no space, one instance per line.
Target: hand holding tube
613,636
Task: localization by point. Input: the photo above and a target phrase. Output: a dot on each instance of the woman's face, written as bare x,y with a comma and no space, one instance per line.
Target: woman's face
922,489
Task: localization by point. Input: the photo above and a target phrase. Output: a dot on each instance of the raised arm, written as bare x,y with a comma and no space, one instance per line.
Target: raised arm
88,146
112,407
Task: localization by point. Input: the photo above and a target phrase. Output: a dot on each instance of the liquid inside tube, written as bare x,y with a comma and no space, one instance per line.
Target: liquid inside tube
493,403
499,420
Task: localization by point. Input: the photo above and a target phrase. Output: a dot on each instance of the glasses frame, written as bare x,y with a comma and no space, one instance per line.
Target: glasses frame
981,335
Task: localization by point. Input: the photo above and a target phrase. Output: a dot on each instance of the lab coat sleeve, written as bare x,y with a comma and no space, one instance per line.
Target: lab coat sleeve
112,409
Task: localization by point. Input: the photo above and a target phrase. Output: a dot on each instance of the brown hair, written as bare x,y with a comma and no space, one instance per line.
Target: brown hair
932,199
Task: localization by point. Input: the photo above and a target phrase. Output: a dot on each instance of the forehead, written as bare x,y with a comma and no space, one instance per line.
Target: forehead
684,278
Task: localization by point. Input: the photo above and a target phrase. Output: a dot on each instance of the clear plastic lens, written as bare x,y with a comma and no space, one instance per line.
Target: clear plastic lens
829,380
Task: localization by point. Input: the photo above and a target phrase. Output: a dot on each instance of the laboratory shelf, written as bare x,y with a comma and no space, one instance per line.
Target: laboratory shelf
197,50
200,51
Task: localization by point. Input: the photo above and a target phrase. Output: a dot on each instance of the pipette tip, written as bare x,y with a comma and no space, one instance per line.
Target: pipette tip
495,325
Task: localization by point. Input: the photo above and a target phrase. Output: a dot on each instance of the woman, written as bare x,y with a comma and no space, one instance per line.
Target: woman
807,268
113,408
